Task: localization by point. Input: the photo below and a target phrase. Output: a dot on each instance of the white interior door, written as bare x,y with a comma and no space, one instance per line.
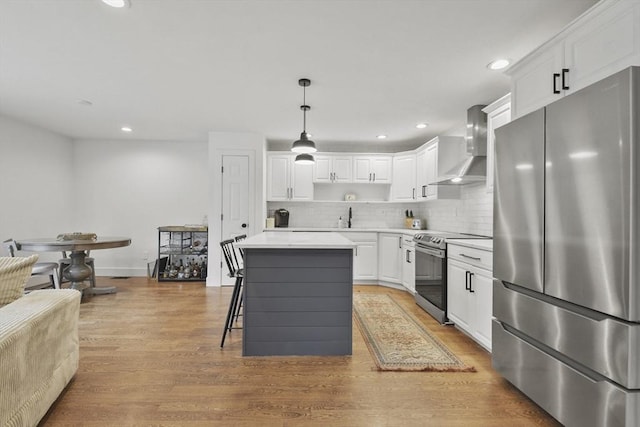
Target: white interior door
235,203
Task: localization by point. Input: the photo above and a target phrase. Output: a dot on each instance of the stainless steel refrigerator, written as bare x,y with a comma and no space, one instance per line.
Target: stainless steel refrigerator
567,254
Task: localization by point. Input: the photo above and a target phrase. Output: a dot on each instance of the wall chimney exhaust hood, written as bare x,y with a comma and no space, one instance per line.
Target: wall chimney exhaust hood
474,167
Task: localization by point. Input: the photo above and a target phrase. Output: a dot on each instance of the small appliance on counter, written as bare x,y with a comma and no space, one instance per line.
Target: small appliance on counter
416,224
281,218
271,222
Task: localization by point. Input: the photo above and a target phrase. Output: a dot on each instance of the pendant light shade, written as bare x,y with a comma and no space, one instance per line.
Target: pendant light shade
305,159
304,145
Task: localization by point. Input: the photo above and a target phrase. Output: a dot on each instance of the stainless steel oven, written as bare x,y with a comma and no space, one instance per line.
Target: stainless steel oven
431,270
431,280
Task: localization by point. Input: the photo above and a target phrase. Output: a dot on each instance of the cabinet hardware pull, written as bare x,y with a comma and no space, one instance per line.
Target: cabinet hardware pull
564,76
414,194
466,281
374,177
424,191
356,251
555,82
408,259
369,176
471,287
470,257
400,242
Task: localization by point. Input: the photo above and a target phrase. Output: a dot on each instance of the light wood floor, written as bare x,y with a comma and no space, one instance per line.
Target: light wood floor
150,355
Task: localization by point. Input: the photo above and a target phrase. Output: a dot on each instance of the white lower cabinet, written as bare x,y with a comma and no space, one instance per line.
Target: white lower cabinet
469,292
390,256
365,255
409,264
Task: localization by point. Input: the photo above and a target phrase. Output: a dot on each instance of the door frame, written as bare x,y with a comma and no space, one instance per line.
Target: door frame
233,144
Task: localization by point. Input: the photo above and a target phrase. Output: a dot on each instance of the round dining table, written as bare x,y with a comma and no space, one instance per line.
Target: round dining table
78,271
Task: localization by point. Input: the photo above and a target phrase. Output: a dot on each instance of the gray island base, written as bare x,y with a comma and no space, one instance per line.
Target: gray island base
297,298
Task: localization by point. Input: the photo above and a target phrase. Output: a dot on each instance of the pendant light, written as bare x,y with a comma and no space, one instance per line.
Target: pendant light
304,145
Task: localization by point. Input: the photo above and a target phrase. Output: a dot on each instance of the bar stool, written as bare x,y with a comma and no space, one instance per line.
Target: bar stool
236,272
241,251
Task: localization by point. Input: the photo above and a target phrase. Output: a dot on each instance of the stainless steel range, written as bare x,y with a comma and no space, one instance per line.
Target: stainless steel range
431,270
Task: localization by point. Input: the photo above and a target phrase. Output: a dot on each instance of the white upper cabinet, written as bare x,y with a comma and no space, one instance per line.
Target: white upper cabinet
404,177
287,180
603,41
432,160
538,83
372,169
332,168
498,114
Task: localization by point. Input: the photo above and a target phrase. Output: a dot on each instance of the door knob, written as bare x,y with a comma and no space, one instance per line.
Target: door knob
244,225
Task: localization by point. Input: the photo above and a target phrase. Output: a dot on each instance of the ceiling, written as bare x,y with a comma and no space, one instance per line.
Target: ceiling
177,69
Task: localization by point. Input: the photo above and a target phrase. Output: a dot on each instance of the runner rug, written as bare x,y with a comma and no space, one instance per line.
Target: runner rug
397,341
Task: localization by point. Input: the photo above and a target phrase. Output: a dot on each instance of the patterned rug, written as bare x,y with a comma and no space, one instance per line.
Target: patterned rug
397,341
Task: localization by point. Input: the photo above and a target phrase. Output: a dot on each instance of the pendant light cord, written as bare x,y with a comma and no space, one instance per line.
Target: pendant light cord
304,109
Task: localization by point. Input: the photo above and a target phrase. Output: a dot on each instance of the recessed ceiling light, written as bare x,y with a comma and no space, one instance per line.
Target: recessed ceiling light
381,136
421,125
126,129
117,3
498,64
85,102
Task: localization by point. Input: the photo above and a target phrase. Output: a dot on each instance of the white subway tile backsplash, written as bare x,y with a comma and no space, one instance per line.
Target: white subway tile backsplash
472,213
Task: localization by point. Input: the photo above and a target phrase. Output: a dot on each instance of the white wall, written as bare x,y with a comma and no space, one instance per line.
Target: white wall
130,188
37,174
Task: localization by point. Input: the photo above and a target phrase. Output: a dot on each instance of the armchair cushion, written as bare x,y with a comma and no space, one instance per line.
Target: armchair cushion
14,272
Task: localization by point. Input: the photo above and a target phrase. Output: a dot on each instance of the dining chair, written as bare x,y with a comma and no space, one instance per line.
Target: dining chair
236,272
39,268
65,262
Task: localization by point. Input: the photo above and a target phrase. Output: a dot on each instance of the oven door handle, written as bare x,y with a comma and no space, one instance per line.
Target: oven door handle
434,252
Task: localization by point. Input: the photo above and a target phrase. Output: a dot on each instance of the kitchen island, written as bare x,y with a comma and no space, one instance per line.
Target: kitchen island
297,294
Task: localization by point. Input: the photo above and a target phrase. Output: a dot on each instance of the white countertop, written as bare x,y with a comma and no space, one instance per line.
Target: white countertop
486,244
299,240
408,231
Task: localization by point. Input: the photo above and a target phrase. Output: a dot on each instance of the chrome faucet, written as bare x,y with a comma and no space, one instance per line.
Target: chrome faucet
350,216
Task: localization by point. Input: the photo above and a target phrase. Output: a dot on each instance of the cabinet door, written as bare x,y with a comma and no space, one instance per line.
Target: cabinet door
431,171
481,284
365,261
362,169
603,45
404,177
409,268
301,181
459,309
278,177
495,119
342,168
322,169
532,84
381,168
390,255
421,174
